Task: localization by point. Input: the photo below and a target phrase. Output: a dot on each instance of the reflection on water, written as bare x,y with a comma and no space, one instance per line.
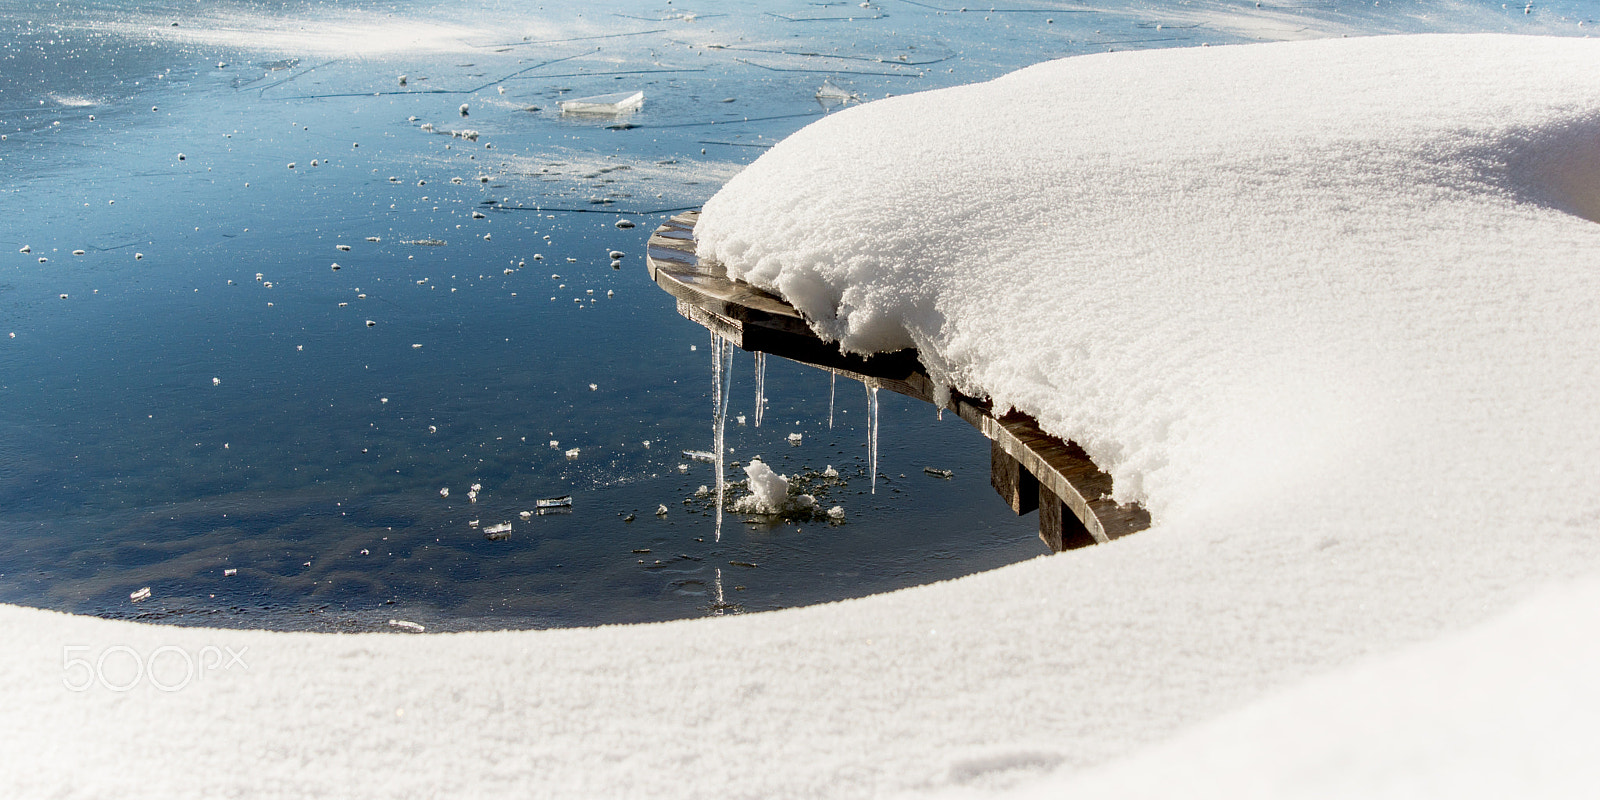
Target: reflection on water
276,273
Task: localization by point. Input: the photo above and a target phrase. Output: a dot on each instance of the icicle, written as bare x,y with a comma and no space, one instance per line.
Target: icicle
833,383
872,434
761,385
721,383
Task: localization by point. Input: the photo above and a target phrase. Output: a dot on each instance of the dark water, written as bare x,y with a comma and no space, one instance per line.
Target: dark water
200,391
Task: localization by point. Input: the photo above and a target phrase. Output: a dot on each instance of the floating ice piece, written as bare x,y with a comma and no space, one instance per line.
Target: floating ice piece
472,496
63,294
683,467
463,109
477,487
740,419
445,492
564,501
702,491
573,453
472,523
142,594
661,511
830,93
77,252
26,249
138,256
526,515
830,472
604,104
402,80
938,473
498,533
291,165
370,323
795,439
334,266
594,387
837,512
216,381
769,491
616,254
372,239
624,223
343,247
407,625
228,573
700,455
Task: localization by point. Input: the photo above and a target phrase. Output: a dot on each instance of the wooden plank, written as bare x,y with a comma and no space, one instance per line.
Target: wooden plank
1029,467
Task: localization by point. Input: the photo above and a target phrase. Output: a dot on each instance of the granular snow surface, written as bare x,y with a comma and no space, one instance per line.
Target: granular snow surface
1327,308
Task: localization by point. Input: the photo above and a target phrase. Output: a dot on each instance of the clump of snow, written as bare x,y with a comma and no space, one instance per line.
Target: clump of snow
769,491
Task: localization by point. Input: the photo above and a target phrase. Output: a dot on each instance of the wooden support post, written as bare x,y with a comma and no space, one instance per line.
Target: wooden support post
1058,526
1016,485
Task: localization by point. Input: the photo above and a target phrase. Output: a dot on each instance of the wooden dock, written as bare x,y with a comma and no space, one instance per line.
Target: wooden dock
1028,467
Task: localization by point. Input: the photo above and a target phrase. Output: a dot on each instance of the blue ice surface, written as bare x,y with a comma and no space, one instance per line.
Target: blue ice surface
166,416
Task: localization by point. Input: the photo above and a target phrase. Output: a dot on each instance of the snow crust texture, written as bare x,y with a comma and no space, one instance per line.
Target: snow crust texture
1327,307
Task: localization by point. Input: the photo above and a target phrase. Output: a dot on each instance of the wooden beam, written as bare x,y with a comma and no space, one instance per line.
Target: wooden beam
1058,526
1015,485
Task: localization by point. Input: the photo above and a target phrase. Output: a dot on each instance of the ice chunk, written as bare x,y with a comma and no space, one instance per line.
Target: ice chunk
228,573
564,501
216,381
700,455
604,104
830,472
661,510
573,453
938,473
796,438
837,512
445,492
498,533
407,625
142,594
829,93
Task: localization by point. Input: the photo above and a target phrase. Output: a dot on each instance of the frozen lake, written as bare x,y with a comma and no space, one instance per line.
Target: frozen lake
189,387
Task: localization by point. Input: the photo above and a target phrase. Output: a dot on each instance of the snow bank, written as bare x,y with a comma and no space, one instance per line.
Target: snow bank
1326,307
1504,710
1215,268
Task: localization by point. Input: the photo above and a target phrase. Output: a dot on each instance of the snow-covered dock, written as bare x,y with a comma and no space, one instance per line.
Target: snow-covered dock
1029,468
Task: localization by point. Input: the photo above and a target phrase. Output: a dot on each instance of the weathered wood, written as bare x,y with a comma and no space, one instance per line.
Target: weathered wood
1015,485
1030,468
1058,526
